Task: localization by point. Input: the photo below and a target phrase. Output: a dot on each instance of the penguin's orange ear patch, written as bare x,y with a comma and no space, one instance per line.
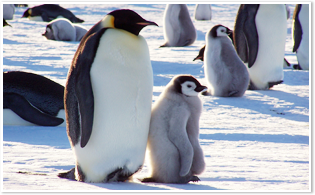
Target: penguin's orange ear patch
30,11
108,21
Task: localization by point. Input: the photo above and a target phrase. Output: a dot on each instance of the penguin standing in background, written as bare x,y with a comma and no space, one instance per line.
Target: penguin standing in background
49,12
300,35
203,12
31,99
108,97
179,29
226,74
174,152
259,38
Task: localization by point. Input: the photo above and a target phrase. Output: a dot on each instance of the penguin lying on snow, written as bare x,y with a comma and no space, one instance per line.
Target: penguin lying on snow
108,97
226,74
49,12
259,38
63,30
174,151
34,99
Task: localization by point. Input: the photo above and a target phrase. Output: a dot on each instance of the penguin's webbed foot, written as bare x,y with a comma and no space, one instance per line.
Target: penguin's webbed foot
194,179
68,174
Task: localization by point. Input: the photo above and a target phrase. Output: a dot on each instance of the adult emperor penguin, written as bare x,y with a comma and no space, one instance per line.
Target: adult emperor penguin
203,12
179,29
62,29
300,35
226,74
108,98
31,99
49,12
259,38
175,155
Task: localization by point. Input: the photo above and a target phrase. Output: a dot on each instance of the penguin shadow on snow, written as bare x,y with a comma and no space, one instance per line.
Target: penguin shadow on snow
289,101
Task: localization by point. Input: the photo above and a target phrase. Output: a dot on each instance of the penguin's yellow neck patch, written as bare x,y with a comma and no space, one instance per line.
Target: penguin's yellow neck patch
108,21
29,12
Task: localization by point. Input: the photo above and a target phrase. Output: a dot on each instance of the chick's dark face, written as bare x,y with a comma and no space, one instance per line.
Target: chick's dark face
130,21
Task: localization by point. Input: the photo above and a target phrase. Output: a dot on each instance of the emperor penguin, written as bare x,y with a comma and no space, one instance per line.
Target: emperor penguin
300,35
31,99
62,29
203,12
49,12
226,74
108,97
174,151
259,38
178,28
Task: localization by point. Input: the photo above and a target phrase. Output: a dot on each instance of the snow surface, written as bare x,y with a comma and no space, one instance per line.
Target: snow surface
258,142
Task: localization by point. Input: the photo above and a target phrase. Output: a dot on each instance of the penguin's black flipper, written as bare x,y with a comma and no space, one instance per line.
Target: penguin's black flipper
83,60
19,105
251,34
297,33
239,39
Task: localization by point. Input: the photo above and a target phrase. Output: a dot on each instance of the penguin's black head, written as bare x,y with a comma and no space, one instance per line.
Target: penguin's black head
27,13
129,20
220,30
188,85
201,54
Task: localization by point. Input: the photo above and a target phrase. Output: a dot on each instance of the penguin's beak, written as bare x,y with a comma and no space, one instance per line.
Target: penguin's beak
146,23
229,31
201,89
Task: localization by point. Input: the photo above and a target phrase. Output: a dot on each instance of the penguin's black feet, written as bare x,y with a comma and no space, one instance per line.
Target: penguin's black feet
297,67
148,179
68,175
194,179
271,84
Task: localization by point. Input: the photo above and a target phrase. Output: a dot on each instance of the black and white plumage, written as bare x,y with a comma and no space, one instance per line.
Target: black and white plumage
31,99
49,12
108,98
175,155
259,38
300,35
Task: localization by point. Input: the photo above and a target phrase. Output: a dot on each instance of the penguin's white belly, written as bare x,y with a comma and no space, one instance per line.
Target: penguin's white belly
271,28
10,118
36,18
122,83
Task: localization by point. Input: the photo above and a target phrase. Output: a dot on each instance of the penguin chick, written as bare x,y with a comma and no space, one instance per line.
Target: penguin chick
175,154
226,74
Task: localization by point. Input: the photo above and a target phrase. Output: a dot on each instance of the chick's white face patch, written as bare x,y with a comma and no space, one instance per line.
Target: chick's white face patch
188,88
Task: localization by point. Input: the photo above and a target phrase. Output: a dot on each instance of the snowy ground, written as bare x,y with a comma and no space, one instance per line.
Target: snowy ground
259,142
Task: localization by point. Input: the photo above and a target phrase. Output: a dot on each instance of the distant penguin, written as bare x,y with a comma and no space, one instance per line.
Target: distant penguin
226,74
8,11
30,99
259,38
179,29
108,98
288,11
63,30
49,12
203,12
300,35
175,155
